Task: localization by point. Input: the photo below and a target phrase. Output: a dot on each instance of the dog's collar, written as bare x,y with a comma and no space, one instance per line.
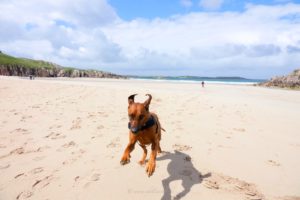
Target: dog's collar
151,121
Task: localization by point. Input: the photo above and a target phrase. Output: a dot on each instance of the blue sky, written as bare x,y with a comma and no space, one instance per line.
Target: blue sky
253,39
150,9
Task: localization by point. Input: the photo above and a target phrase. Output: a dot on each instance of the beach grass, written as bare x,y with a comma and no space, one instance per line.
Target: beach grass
24,62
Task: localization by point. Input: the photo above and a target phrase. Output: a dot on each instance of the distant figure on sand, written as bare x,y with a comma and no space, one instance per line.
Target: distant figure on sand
202,83
31,77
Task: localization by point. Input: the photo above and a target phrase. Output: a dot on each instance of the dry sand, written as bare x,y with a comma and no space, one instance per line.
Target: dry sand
63,139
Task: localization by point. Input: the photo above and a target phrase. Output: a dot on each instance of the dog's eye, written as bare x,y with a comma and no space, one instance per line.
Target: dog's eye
131,117
141,117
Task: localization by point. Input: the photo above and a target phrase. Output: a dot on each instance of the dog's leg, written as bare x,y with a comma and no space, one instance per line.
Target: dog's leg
126,156
159,149
152,163
142,161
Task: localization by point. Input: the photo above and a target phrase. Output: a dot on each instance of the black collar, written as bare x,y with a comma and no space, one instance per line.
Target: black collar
151,121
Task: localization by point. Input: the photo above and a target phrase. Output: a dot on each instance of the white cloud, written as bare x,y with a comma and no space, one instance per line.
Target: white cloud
91,35
211,4
231,42
36,49
186,3
58,30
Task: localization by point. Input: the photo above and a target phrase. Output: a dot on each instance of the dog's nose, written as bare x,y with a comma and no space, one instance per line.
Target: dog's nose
134,129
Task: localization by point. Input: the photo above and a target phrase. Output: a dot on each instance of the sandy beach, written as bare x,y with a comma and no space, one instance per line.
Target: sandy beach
64,138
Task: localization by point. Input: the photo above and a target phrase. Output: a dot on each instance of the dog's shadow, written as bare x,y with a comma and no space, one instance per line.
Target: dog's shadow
180,168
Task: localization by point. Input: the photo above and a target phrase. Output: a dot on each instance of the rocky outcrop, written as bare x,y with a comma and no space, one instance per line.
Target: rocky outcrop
290,81
13,66
19,70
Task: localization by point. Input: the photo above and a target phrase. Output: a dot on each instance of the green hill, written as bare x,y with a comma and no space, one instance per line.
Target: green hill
10,60
12,66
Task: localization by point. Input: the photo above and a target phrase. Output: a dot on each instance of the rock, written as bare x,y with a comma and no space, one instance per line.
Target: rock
289,81
12,66
19,70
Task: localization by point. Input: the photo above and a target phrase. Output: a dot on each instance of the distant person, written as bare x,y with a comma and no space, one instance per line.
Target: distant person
30,77
202,83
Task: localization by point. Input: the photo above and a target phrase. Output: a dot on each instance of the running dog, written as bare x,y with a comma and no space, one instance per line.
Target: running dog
145,128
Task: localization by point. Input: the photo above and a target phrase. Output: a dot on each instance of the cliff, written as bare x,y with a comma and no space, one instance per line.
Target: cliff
12,66
289,81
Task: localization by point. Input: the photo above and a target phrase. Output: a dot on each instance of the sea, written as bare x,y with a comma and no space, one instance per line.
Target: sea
198,79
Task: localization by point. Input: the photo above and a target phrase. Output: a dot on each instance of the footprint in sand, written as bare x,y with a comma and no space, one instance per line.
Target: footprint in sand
238,186
100,127
234,185
94,178
23,119
76,155
55,136
19,175
19,150
36,170
273,163
66,145
79,152
39,158
76,124
250,192
91,115
76,178
20,130
180,147
97,136
4,166
114,143
211,184
69,161
239,129
42,182
24,195
55,127
69,144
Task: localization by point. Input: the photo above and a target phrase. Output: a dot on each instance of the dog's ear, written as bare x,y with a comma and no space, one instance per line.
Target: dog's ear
147,102
131,99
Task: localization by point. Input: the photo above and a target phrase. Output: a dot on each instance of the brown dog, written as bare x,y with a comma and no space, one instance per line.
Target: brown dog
145,128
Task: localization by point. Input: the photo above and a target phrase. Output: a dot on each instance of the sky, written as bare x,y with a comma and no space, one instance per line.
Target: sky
252,39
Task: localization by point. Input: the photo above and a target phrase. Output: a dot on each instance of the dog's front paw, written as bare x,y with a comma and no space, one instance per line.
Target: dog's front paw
125,160
150,168
142,162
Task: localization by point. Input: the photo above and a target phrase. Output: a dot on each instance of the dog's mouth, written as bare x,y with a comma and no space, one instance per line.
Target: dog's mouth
135,129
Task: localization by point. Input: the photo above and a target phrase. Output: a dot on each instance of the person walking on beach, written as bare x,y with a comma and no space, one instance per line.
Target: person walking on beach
202,83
